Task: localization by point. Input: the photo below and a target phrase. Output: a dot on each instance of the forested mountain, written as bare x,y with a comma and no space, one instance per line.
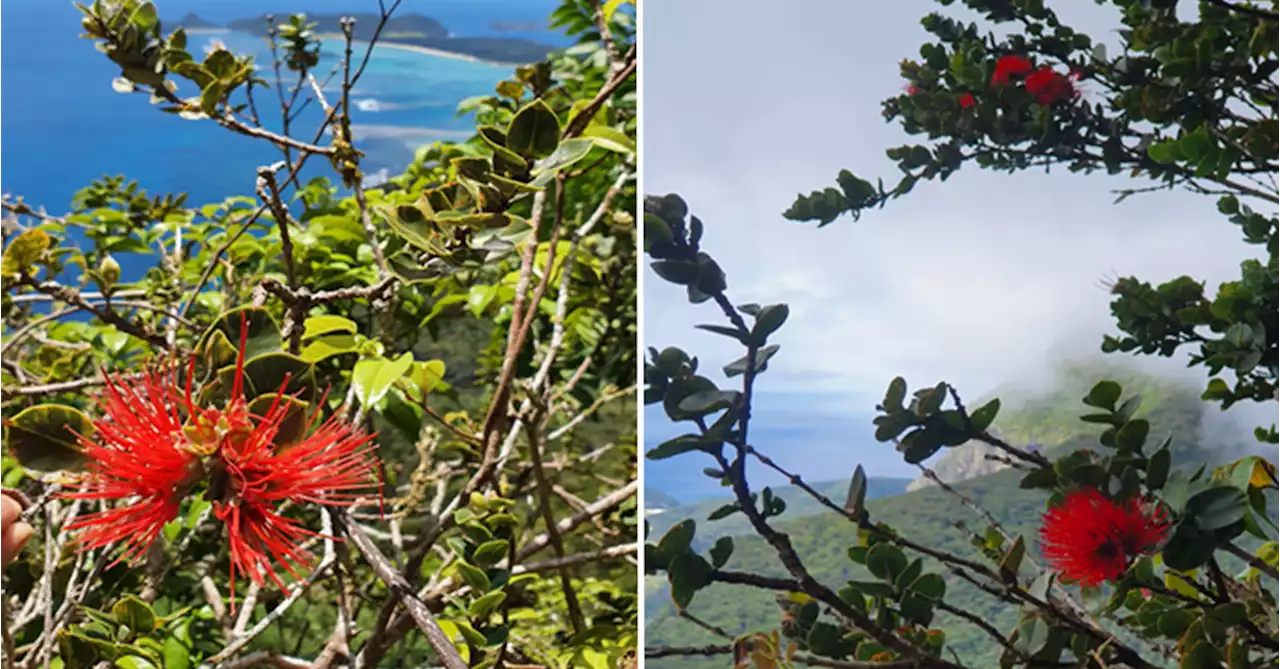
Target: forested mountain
932,515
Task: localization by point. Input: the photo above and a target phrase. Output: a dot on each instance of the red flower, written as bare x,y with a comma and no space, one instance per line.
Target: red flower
1008,66
1091,538
912,88
967,101
145,450
135,457
331,467
1050,87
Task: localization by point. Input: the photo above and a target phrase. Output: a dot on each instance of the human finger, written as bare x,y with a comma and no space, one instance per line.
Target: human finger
12,538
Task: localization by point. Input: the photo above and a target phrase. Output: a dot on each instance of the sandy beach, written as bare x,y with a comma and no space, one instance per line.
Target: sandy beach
419,49
382,43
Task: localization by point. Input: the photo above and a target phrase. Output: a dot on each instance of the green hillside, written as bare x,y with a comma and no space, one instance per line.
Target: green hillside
656,499
930,515
799,505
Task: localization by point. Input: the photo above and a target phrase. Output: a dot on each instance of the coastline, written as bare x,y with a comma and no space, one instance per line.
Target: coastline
424,50
390,44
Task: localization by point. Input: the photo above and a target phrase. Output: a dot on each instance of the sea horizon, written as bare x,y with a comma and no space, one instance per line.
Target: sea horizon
68,135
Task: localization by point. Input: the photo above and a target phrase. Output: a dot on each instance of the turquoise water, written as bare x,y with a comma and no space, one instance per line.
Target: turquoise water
62,125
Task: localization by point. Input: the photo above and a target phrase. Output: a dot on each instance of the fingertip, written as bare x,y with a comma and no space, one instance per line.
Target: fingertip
10,509
13,539
21,533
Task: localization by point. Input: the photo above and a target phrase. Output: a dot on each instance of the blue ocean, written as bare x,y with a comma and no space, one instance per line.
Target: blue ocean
62,125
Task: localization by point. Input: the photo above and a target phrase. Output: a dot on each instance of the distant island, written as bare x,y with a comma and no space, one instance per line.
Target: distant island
193,22
407,31
514,26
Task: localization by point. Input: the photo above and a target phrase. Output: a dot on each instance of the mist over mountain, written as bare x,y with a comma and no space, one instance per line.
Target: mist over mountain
1044,412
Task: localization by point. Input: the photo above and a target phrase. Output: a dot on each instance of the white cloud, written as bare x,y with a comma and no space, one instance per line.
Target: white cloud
978,280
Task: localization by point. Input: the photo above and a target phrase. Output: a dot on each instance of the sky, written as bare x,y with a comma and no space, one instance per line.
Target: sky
980,281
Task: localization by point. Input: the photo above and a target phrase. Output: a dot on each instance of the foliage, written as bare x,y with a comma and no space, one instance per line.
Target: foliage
477,312
1189,104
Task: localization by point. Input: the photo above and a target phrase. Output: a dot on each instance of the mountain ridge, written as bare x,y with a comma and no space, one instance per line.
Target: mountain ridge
931,515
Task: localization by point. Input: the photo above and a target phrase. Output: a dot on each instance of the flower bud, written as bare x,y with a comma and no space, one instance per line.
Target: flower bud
109,269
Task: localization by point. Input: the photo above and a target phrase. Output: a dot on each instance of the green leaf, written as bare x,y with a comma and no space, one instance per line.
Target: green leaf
411,224
983,417
491,552
687,574
1158,468
473,576
823,638
569,152
885,561
328,346
373,377
480,297
1104,395
903,580
272,373
218,345
24,251
739,366
918,445
678,539
428,375
724,330
134,614
78,650
293,427
1040,478
1202,655
469,633
1033,634
1133,434
134,662
610,7
144,17
930,585
328,324
609,139
770,319
1197,145
894,396
724,511
534,130
916,608
1217,507
177,655
43,437
485,606
211,96
708,401
1011,562
679,272
1187,550
721,552
857,496
1166,152
673,447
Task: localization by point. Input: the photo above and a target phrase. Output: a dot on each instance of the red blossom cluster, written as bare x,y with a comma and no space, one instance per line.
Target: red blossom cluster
966,100
1047,85
1090,538
153,446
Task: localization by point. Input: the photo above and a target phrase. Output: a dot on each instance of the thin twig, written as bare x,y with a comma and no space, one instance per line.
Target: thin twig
445,652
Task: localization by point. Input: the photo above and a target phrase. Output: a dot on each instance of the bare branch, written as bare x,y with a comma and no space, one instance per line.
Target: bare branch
445,652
